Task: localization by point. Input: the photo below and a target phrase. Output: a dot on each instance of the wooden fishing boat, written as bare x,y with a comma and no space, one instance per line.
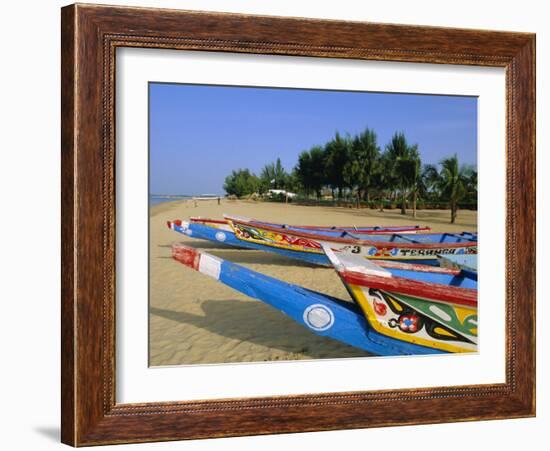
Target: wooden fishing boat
227,237
418,326
467,263
424,305
391,247
421,248
224,224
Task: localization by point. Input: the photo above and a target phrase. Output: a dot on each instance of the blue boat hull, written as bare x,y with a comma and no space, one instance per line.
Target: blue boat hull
207,233
228,238
321,314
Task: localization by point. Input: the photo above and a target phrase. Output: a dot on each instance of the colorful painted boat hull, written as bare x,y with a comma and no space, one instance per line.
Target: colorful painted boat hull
436,308
314,256
376,247
224,237
464,262
321,314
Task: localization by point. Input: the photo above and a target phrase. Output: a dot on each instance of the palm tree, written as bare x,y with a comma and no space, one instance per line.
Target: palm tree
471,185
337,153
453,180
310,170
382,178
416,175
303,172
430,180
405,165
274,175
364,155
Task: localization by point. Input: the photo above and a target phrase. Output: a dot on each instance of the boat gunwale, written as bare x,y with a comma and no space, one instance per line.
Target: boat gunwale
381,230
418,267
429,290
377,244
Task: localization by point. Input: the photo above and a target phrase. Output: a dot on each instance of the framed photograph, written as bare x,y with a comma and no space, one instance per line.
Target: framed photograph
278,225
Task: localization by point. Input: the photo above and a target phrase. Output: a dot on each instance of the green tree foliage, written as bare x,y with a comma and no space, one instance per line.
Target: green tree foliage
241,183
293,182
453,182
310,170
364,159
273,176
471,185
404,166
337,159
355,166
383,179
417,176
429,181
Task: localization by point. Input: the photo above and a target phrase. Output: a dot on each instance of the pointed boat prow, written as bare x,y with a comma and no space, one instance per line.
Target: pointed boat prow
321,314
427,305
204,263
178,225
174,223
347,262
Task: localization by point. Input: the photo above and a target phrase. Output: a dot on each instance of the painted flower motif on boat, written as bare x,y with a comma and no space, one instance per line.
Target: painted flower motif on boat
382,251
409,323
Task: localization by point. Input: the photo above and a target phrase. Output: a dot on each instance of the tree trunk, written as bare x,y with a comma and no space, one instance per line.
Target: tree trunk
403,200
414,204
453,212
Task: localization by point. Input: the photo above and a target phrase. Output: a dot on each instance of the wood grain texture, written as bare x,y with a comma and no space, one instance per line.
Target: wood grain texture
90,36
67,226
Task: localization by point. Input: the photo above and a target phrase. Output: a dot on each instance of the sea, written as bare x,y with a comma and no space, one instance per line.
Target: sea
156,199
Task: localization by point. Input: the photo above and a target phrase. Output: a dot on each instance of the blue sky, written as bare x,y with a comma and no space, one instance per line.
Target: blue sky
198,134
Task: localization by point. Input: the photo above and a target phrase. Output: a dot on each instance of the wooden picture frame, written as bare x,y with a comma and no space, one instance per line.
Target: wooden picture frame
90,36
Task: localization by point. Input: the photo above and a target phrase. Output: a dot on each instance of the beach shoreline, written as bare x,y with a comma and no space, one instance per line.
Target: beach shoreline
196,320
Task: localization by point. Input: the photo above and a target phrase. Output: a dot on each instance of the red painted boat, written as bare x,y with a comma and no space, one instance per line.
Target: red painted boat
223,224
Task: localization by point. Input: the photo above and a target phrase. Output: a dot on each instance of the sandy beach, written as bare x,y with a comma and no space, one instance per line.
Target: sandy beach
197,320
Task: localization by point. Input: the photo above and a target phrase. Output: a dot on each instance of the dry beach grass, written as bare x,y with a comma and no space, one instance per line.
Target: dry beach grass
197,320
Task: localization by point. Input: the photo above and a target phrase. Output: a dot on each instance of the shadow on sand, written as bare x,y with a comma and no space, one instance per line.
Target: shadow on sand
256,323
203,244
243,255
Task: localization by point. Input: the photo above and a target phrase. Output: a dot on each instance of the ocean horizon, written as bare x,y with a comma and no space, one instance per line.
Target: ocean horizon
155,199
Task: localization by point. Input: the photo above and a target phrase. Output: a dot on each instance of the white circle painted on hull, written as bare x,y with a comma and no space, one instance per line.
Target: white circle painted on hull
189,232
220,236
318,317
